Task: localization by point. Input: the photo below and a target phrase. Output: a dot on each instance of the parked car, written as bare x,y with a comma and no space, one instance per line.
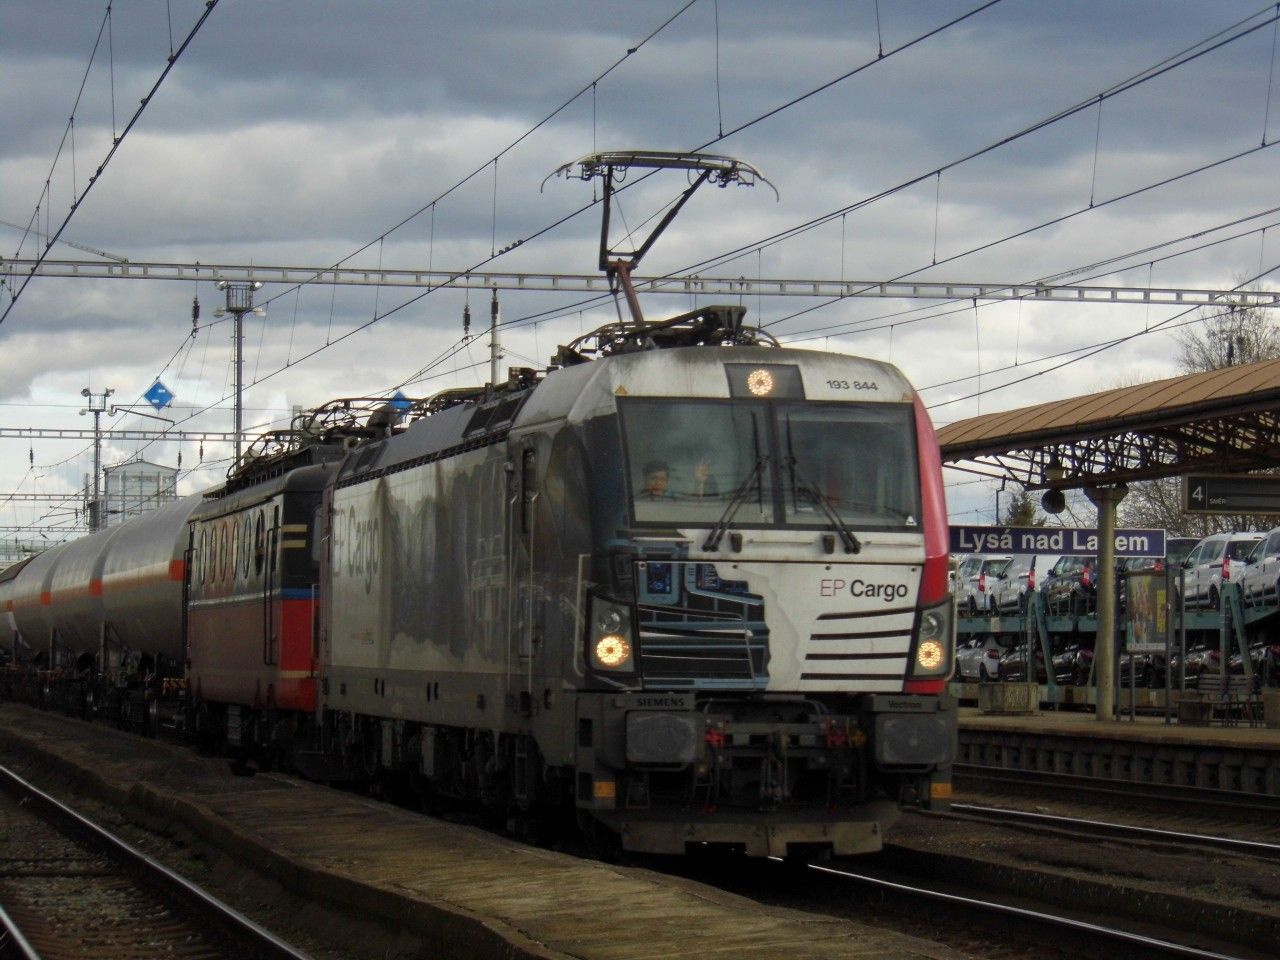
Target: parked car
1259,579
972,592
978,659
1264,655
1013,665
1203,656
1176,550
966,567
1070,586
1148,666
1210,563
1072,663
1016,582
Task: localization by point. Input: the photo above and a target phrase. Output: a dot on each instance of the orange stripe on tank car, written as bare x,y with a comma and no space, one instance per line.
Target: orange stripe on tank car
177,570
46,598
95,588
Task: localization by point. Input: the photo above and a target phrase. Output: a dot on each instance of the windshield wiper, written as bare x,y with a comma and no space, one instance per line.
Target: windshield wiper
722,525
851,542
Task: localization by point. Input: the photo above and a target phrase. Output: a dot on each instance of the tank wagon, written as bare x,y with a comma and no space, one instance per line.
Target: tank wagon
490,597
102,616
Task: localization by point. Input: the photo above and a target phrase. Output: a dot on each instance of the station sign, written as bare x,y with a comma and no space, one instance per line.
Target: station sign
1233,494
1071,541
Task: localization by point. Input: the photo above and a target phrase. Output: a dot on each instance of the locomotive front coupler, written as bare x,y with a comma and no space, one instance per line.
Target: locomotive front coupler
722,738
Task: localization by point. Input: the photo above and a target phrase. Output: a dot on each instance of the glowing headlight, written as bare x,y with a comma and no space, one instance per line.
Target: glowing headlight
609,643
929,654
760,383
612,650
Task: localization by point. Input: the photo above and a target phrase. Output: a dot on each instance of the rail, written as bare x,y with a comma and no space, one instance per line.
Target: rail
199,905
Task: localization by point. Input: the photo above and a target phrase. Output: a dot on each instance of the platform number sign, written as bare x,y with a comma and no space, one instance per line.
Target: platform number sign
1231,494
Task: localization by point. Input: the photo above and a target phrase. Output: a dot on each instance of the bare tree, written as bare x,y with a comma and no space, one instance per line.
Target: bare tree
1227,338
1223,338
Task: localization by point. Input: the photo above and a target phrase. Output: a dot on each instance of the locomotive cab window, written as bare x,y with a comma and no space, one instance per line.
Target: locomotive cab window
775,461
858,460
689,458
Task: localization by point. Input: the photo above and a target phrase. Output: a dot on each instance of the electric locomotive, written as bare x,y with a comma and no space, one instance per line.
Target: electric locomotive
756,656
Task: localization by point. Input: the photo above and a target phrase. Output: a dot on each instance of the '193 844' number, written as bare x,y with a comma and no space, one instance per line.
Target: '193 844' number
852,385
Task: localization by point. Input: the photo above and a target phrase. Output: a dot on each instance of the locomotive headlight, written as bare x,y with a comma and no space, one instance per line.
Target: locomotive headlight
760,383
930,655
609,642
609,620
932,626
934,642
612,651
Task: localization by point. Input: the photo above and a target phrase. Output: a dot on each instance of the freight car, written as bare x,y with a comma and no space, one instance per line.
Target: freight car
487,597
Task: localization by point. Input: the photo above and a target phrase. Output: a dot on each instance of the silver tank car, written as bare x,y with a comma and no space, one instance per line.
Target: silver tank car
698,594
124,583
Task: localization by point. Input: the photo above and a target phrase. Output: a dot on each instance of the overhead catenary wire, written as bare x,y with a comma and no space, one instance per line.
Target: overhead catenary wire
116,141
877,12
1215,41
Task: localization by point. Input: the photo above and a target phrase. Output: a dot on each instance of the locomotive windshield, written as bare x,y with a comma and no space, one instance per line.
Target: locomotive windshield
780,462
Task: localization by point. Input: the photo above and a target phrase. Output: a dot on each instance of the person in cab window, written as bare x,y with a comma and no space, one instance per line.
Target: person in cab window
704,485
657,481
657,477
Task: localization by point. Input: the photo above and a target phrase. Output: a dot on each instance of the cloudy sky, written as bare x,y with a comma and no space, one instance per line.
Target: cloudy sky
929,140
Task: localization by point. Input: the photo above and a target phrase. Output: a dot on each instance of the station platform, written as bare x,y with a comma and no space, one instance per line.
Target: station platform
1143,750
464,892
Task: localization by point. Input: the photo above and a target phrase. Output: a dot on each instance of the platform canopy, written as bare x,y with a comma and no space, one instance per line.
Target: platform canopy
1223,421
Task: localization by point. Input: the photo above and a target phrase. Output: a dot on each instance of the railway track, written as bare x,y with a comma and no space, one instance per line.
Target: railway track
1263,807
1088,938
1099,829
70,889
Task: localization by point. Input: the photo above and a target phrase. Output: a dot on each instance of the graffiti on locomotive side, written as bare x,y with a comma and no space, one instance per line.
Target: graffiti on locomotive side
357,544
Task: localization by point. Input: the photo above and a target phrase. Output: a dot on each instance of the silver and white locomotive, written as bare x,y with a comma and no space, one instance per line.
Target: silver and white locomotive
754,654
